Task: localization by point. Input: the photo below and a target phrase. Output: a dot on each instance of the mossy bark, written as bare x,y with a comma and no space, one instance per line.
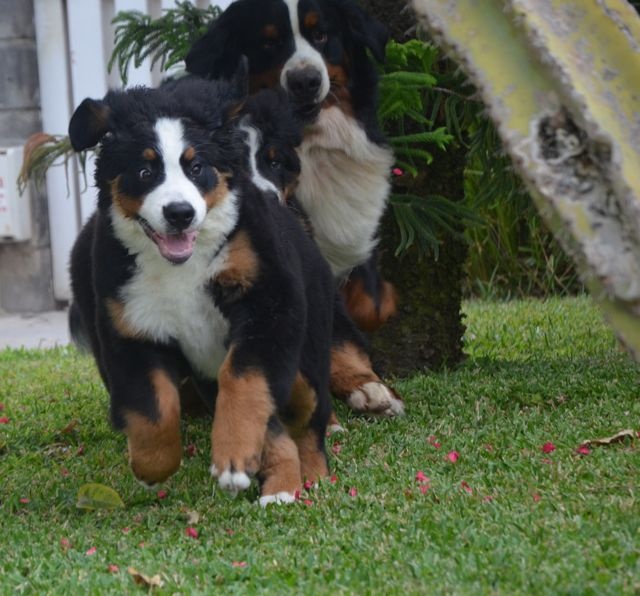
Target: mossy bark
427,331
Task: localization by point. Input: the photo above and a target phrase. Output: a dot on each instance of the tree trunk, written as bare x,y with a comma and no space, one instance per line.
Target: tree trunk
427,331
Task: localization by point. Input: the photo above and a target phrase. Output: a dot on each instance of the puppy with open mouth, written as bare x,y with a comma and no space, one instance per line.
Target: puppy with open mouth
187,270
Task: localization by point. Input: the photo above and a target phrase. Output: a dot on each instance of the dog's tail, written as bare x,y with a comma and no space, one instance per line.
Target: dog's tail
77,329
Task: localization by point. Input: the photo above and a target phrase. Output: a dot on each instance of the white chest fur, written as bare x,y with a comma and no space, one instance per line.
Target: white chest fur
165,302
344,184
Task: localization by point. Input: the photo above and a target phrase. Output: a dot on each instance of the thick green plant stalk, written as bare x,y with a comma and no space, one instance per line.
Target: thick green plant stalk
560,81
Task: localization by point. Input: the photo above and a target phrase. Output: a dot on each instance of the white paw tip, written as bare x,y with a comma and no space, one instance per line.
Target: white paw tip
233,482
376,398
213,470
336,428
280,498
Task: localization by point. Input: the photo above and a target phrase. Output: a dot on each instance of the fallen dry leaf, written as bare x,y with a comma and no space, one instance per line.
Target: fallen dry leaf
67,430
619,437
193,517
144,580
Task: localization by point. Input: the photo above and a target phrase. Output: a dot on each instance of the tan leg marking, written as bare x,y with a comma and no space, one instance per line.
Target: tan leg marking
362,308
301,406
243,408
155,450
313,462
350,368
280,468
354,382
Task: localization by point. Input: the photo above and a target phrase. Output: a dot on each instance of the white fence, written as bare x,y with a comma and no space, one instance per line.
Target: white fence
75,39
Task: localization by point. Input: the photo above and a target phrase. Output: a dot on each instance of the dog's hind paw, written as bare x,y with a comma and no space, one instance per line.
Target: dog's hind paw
376,398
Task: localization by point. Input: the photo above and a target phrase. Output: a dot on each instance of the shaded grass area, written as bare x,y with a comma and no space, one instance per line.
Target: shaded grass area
505,517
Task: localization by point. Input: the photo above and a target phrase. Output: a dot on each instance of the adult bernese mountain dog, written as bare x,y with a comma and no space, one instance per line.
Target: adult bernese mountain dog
188,270
318,51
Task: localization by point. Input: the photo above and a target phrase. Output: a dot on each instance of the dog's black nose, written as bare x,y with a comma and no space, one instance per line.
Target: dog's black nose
179,215
304,84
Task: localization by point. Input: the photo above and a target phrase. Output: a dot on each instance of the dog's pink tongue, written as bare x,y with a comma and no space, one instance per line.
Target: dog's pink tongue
177,247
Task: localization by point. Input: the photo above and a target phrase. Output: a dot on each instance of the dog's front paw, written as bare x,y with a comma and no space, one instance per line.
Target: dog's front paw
376,398
234,474
230,481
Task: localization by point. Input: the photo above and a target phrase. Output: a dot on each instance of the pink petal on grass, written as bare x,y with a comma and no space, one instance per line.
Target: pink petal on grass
453,456
548,447
191,532
397,172
4,420
80,450
113,569
126,530
191,450
333,479
24,500
424,488
583,450
64,472
488,498
336,448
1,407
433,441
308,502
308,485
65,544
91,551
420,477
239,564
466,487
353,491
162,494
536,497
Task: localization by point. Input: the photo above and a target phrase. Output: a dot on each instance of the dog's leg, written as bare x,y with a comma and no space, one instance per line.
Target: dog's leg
280,470
313,458
243,408
146,407
352,377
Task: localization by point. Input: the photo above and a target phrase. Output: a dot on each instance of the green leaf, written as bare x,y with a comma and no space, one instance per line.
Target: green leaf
98,496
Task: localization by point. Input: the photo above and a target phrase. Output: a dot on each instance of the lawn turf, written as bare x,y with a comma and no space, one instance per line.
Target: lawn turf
504,518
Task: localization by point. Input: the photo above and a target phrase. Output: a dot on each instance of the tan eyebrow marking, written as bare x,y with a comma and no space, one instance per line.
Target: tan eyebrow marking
270,31
149,154
311,20
189,153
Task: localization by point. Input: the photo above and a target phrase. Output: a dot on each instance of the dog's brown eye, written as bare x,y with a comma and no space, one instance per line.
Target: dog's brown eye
144,174
196,169
319,37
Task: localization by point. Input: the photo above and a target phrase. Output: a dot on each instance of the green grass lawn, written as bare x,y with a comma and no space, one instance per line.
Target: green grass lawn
504,518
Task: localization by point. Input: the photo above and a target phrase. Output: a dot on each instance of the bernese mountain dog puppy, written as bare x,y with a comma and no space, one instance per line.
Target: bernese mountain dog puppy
273,134
318,51
188,270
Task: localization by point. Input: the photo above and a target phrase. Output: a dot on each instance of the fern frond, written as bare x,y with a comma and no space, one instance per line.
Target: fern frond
165,40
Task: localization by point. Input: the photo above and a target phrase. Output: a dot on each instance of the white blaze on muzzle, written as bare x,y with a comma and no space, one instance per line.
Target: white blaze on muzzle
305,56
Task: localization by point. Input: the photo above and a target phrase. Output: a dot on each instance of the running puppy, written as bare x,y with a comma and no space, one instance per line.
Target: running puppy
188,270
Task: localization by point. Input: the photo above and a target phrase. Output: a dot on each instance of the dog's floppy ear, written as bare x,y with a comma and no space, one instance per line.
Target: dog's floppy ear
238,89
364,28
89,123
215,54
